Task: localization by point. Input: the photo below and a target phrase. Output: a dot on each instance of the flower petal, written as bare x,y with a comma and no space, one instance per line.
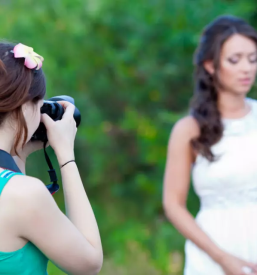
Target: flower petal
20,50
39,62
39,56
30,62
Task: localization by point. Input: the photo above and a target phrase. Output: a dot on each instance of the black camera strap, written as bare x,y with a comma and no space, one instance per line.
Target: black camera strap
54,186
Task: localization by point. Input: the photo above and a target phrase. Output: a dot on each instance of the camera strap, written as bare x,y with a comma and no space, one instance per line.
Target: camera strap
54,186
7,162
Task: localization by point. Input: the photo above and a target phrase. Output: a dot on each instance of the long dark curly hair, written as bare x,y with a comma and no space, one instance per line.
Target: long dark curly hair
203,106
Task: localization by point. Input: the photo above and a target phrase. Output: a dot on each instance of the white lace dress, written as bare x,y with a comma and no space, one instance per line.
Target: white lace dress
228,193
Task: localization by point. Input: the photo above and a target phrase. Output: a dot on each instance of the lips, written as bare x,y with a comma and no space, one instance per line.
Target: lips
245,81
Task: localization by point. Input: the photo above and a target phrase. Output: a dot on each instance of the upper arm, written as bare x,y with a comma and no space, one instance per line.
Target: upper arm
179,161
42,222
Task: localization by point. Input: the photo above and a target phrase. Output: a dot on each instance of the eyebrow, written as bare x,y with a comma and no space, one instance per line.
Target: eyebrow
241,53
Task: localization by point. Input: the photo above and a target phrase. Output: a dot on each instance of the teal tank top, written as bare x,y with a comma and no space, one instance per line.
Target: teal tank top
28,260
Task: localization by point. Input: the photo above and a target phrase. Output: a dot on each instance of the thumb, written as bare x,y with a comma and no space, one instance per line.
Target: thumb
47,120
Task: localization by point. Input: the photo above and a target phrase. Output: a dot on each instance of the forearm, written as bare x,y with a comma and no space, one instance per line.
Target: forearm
78,208
186,225
20,163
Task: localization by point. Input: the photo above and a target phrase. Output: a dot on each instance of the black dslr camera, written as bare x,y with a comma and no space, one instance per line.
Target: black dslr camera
55,110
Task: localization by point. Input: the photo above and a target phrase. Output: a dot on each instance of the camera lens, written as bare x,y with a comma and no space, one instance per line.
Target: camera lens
53,109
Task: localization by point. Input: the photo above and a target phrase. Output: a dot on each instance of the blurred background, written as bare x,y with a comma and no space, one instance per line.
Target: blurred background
128,64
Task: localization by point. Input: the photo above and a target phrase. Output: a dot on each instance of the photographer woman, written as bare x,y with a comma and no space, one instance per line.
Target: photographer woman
217,142
32,227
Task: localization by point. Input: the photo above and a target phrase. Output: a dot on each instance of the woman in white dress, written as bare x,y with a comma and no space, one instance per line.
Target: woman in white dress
217,145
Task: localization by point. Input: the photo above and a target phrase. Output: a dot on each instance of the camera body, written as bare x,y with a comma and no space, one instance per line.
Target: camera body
55,110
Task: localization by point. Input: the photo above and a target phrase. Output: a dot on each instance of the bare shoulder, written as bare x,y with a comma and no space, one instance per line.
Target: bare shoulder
23,185
25,192
186,128
23,198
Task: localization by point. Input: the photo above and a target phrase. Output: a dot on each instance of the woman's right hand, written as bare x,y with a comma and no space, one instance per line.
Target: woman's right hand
235,266
61,134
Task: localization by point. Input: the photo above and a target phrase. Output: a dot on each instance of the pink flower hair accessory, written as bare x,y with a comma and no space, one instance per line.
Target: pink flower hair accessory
32,59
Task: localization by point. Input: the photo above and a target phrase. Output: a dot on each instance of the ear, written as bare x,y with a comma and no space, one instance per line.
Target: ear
24,108
209,67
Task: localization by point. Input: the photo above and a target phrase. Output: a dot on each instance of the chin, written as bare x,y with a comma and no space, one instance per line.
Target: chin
242,91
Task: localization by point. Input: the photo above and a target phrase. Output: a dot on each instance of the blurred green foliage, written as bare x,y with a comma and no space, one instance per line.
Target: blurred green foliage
128,64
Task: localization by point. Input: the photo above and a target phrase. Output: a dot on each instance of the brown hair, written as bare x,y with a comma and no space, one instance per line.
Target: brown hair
204,103
18,85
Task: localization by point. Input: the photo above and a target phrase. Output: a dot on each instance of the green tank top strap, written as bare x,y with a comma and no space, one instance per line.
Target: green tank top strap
5,176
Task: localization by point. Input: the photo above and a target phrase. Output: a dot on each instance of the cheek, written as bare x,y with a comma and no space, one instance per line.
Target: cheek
35,120
254,69
227,74
38,118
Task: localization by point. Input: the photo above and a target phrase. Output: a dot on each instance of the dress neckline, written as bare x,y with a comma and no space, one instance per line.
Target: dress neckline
249,114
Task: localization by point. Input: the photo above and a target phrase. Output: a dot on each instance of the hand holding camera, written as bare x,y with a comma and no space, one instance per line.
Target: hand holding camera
59,121
58,127
61,133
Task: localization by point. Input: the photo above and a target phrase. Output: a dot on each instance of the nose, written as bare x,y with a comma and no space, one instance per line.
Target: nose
247,66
